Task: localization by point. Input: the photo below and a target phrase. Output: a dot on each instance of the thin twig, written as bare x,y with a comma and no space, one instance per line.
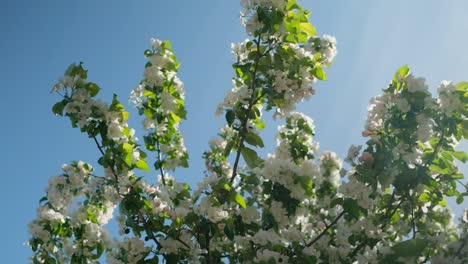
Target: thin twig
103,154
148,230
326,229
243,131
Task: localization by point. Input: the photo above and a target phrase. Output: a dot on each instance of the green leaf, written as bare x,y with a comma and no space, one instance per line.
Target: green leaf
320,74
460,155
142,165
57,109
292,4
424,197
460,199
351,207
128,159
43,199
228,148
259,124
229,232
250,157
291,38
227,187
230,117
461,86
336,201
410,248
465,129
127,148
116,105
125,116
254,140
443,202
240,200
128,154
92,88
309,29
402,72
441,166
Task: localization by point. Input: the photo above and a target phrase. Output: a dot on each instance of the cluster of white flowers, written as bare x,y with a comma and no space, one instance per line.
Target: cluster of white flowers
353,152
292,85
118,130
160,97
239,93
268,255
62,189
82,105
327,49
358,191
130,250
449,100
297,86
56,215
249,17
207,209
281,167
411,157
415,85
425,124
378,112
70,80
331,166
241,50
295,89
459,248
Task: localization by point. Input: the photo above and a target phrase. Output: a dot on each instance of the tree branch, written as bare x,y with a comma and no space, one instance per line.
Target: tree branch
326,229
159,160
243,130
148,230
103,154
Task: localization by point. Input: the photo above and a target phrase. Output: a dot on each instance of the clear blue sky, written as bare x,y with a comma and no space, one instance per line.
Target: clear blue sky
39,39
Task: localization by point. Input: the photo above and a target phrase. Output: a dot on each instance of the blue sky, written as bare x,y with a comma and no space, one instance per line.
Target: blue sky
41,38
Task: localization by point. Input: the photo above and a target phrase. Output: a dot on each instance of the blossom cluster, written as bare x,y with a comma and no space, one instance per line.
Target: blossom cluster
160,98
70,233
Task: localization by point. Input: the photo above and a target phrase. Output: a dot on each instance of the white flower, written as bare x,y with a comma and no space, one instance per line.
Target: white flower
136,96
416,84
279,213
215,214
250,215
264,237
115,131
48,214
328,50
268,255
240,50
154,76
168,103
353,151
449,100
149,123
159,60
424,131
156,43
252,24
402,105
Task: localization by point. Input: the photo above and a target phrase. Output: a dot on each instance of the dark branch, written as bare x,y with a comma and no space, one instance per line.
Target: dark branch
325,230
160,161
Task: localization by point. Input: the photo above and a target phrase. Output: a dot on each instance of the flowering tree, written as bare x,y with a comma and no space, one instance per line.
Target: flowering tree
294,205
